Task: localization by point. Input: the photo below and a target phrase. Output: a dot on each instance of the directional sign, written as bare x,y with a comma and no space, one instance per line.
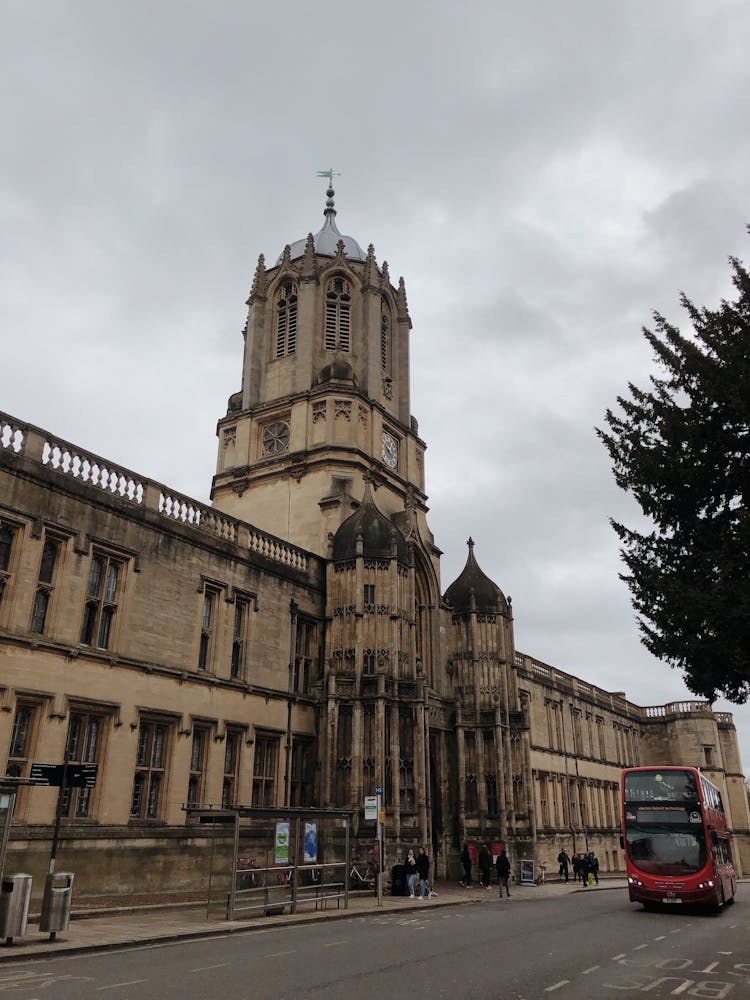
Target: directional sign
82,775
79,775
46,774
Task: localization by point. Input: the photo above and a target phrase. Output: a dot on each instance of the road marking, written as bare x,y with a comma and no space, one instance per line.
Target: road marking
204,968
278,954
592,969
118,986
639,946
685,986
710,968
334,944
616,958
660,938
723,953
563,982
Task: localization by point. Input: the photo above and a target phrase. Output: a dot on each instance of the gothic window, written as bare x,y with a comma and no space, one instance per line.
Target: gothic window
82,746
470,773
600,735
43,595
264,770
238,665
543,800
231,768
369,748
305,655
490,776
102,595
7,534
286,320
198,752
301,790
208,626
406,760
150,770
338,306
368,663
343,754
385,338
20,740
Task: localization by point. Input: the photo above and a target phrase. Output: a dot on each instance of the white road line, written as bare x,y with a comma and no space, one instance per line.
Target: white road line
723,952
616,958
660,938
205,968
639,946
592,969
278,954
685,986
334,944
563,982
117,986
710,968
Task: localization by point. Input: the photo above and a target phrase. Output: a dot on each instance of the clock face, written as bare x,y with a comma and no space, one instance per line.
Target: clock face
390,450
276,438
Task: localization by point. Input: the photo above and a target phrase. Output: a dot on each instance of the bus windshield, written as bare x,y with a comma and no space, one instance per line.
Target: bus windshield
661,850
660,786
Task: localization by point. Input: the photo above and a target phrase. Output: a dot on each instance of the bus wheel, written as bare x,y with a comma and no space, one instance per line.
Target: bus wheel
647,906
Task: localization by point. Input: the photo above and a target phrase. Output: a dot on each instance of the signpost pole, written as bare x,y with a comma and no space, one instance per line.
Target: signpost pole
58,817
381,859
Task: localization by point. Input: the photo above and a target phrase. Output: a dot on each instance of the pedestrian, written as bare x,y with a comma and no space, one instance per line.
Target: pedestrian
423,868
594,866
563,861
466,865
577,867
503,873
410,870
484,862
585,869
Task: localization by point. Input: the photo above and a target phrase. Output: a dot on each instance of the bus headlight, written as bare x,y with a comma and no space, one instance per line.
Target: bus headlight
634,881
706,885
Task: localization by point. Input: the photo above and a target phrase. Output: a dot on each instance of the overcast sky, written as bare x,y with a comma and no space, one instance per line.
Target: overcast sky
543,175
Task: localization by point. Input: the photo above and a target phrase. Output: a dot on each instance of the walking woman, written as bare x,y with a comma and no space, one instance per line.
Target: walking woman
410,866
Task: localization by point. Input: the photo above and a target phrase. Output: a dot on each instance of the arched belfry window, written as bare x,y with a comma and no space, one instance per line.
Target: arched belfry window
286,319
338,306
385,338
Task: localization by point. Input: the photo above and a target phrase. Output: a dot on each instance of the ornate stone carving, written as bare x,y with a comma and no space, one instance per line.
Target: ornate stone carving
342,408
318,411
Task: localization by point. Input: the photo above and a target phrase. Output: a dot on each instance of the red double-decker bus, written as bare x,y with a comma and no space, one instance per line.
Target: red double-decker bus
675,838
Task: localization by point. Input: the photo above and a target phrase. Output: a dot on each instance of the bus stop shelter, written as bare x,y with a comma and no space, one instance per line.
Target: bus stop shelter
279,861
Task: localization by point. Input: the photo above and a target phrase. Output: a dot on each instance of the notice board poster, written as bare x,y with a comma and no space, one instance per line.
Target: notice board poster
281,852
527,873
311,843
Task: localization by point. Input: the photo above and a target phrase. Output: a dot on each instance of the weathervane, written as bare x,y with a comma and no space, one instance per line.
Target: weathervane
330,174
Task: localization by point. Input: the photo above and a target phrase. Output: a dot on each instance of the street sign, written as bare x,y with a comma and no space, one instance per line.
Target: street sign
46,774
379,790
371,807
79,775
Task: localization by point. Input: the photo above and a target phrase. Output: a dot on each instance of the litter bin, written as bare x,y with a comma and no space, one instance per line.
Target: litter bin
58,893
398,880
14,906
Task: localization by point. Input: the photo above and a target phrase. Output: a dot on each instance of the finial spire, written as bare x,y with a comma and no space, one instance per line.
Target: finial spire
330,174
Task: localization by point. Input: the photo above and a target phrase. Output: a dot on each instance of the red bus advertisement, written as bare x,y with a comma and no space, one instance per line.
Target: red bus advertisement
675,838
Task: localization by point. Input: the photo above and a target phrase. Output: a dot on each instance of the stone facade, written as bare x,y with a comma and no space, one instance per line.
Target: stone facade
291,644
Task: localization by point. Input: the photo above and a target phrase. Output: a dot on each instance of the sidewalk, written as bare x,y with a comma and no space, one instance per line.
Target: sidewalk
94,930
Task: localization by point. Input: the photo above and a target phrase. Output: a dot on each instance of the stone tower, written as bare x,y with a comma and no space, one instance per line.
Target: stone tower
325,395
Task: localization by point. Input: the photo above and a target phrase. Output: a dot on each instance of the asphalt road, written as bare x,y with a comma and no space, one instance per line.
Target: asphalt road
582,946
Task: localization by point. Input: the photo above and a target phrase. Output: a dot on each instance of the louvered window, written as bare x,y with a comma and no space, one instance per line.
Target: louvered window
286,320
385,341
338,305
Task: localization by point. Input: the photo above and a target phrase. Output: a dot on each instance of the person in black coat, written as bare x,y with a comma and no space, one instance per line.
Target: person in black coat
484,862
466,865
503,873
564,862
423,868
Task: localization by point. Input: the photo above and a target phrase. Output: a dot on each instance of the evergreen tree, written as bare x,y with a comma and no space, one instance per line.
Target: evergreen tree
682,449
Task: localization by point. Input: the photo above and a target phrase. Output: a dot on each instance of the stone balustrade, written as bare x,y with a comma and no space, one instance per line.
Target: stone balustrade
66,459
